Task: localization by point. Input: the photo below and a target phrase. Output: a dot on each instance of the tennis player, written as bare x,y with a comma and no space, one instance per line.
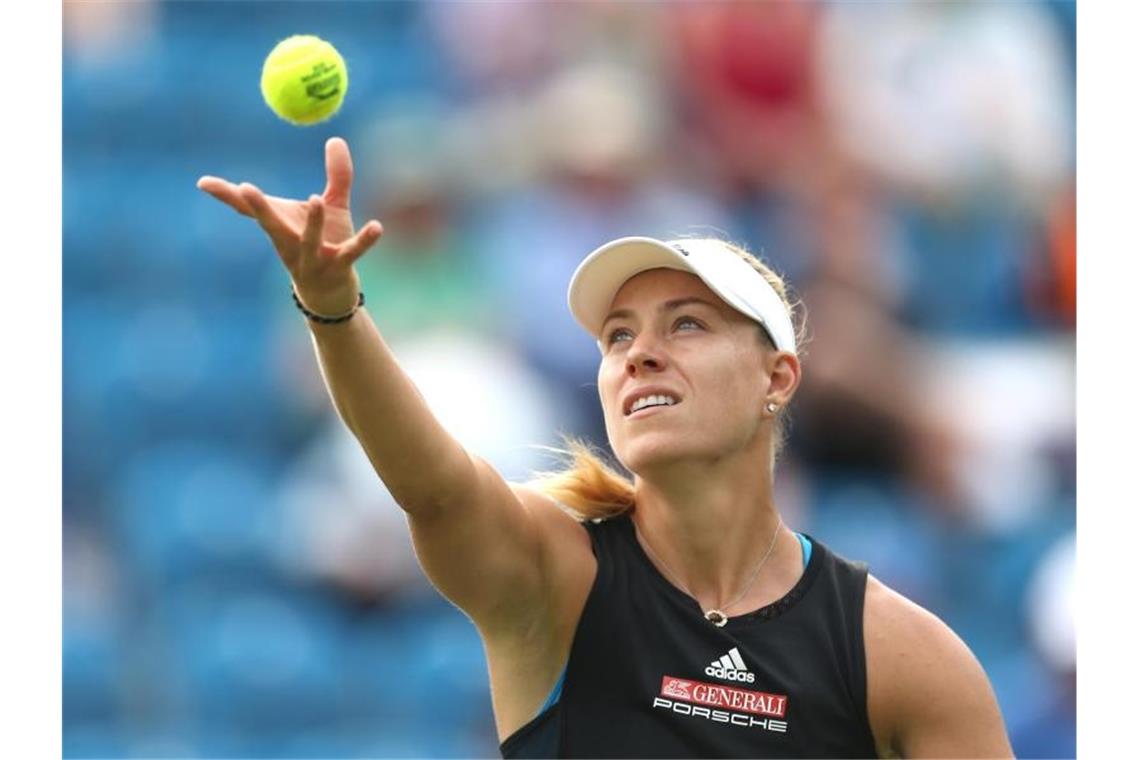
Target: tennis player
674,615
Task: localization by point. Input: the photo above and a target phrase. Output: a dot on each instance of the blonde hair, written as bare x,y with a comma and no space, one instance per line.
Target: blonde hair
589,488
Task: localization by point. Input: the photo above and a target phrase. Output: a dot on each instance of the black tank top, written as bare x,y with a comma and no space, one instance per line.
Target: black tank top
649,676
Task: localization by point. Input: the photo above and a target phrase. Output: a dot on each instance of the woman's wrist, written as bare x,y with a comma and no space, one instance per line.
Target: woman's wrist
330,300
329,307
328,319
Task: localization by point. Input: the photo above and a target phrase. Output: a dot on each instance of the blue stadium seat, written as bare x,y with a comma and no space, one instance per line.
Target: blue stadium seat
190,509
965,272
97,739
92,680
259,661
868,519
412,658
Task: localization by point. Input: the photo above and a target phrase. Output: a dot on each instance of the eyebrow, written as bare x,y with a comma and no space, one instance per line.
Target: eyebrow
667,306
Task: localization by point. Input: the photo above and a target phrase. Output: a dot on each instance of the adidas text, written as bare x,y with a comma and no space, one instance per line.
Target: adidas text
731,675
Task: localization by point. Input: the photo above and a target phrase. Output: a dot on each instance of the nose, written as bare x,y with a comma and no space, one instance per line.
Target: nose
644,355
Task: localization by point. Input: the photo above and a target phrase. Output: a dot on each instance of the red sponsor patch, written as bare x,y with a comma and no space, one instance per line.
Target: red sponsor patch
729,697
677,688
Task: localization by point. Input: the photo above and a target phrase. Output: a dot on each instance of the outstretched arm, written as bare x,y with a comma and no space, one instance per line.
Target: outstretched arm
481,543
422,465
927,694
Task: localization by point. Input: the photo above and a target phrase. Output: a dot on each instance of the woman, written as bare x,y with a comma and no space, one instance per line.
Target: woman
674,615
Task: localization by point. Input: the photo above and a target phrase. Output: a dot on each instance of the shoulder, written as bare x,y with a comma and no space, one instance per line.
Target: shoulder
926,692
557,524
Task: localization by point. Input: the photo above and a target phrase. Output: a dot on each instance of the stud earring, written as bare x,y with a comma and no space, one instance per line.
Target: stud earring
771,407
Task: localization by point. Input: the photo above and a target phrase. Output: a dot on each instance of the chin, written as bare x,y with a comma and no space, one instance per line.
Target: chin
648,454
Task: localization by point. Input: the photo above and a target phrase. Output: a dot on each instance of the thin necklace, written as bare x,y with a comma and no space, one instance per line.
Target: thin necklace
717,615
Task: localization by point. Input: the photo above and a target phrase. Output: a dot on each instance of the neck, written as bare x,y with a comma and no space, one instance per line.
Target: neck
710,524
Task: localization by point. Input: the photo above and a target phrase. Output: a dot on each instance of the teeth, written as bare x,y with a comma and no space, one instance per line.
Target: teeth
657,400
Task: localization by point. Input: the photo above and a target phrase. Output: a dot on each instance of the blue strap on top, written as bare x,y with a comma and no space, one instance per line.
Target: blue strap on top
555,694
805,544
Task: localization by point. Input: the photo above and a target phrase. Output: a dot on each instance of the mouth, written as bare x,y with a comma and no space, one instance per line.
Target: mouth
647,411
649,404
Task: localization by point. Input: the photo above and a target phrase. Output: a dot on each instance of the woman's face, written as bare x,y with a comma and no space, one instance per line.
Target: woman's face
668,334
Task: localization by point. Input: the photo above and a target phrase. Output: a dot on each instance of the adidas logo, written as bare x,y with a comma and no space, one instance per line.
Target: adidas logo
730,667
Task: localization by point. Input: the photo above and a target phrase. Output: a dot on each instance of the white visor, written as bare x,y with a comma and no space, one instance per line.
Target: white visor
602,273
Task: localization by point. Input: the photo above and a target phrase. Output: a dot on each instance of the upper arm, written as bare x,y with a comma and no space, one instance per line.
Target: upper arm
927,695
497,551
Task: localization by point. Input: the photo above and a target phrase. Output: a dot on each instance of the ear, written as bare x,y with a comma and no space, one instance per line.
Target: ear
784,373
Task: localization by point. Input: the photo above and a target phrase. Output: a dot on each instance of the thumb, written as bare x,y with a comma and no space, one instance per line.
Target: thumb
338,169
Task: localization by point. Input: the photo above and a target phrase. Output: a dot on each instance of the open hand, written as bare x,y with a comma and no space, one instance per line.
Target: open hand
314,239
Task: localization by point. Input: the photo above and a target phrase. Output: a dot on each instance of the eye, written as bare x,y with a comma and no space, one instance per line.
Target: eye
687,320
616,334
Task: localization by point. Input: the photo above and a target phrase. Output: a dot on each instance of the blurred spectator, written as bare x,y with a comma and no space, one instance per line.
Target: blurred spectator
99,33
1012,406
961,109
501,50
497,48
749,122
862,408
944,97
859,406
426,273
1052,281
745,83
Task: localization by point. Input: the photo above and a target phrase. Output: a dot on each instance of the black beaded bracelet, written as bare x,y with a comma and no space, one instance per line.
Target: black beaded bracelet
322,320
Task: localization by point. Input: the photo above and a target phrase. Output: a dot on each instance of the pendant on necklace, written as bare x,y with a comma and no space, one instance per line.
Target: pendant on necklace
716,617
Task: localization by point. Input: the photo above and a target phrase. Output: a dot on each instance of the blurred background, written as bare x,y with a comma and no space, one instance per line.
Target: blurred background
237,582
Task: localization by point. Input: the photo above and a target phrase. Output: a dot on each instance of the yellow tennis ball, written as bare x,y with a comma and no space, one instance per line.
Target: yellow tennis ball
304,79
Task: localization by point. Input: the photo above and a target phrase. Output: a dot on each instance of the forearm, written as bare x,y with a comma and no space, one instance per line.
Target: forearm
422,465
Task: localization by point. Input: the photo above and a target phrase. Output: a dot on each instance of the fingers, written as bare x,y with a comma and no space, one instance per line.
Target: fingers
274,225
338,169
314,224
357,245
226,192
